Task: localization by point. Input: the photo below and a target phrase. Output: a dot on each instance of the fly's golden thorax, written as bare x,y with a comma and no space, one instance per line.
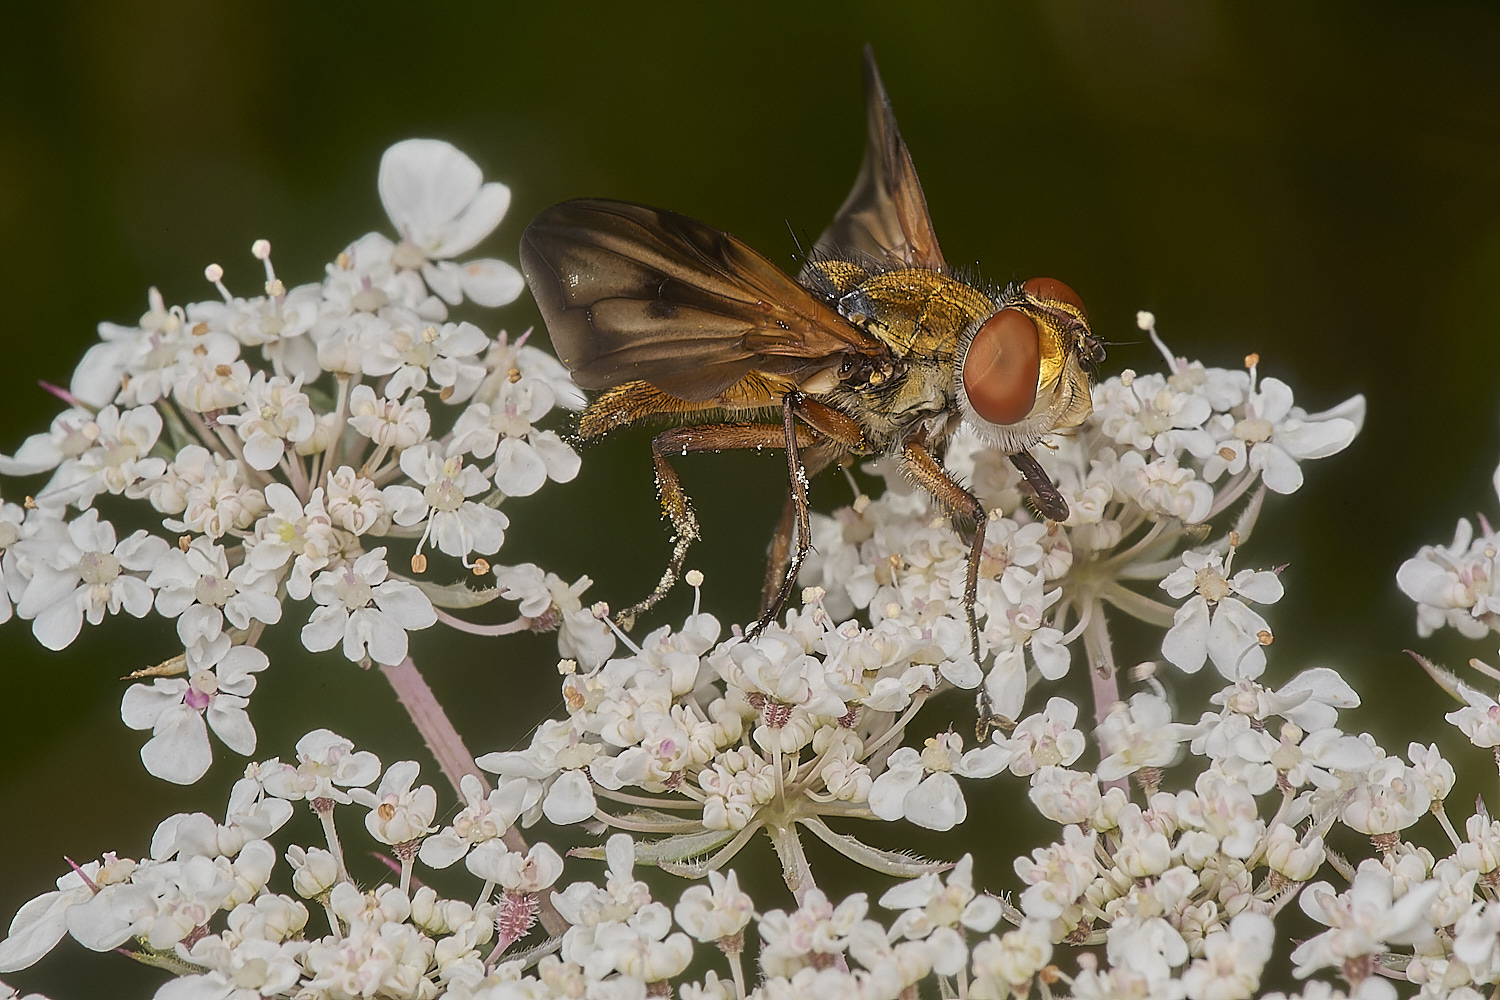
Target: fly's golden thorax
913,311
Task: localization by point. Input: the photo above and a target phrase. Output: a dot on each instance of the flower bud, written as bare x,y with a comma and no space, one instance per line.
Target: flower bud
314,871
1293,860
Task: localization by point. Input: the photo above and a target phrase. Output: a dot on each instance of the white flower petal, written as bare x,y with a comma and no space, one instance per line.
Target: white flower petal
889,791
1278,470
442,277
441,850
142,705
519,470
179,750
478,219
1052,658
227,716
1186,643
37,928
962,673
986,761
97,925
562,462
263,451
1315,439
1006,683
386,641
570,799
1262,587
937,803
424,185
490,283
405,605
1423,580
1233,640
59,625
408,505
947,950
325,628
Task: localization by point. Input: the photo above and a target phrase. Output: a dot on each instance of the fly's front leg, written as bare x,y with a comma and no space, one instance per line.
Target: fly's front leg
1045,494
836,433
675,505
922,467
676,508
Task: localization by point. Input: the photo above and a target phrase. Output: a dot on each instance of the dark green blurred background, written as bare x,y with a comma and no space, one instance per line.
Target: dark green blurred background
1316,183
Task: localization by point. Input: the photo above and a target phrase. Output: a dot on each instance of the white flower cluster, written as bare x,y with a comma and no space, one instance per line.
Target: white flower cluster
201,904
1455,584
804,721
1182,834
1162,455
282,441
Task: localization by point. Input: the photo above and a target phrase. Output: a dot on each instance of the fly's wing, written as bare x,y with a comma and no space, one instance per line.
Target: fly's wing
884,220
635,293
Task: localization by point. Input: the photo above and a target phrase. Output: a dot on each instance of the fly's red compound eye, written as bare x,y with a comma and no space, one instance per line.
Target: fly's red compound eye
1051,288
1002,366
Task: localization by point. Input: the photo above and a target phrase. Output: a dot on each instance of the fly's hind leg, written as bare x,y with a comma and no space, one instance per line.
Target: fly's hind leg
814,460
836,433
676,507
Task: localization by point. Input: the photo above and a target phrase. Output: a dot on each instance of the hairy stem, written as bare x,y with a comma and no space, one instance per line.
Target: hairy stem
324,810
453,756
736,969
1101,656
1102,672
794,866
504,628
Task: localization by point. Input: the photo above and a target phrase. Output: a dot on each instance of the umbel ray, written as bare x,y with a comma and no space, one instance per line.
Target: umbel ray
875,348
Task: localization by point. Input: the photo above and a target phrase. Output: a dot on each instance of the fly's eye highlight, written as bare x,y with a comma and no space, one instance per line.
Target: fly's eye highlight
1055,291
1002,365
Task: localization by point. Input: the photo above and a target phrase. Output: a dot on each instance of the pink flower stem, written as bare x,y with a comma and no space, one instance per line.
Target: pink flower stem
195,421
333,918
1103,674
79,868
336,437
513,920
507,628
231,441
736,967
65,396
291,464
453,756
794,867
324,809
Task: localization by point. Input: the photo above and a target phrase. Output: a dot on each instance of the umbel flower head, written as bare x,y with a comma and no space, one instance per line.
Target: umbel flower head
314,456
284,440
